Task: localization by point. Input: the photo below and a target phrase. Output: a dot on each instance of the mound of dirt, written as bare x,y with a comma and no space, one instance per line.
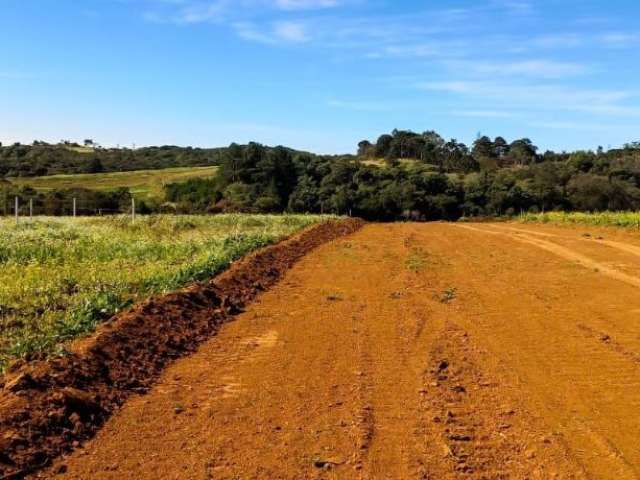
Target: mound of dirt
48,408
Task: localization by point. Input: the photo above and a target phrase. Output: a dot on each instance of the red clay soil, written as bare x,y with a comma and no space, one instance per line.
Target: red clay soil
48,408
406,351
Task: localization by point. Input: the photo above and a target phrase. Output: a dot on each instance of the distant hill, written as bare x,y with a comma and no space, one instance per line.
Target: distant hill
144,184
42,159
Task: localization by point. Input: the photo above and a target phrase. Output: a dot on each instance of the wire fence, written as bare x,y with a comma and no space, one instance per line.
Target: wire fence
21,209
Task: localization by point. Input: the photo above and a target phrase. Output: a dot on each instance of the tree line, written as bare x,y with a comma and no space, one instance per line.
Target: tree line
406,175
402,175
40,159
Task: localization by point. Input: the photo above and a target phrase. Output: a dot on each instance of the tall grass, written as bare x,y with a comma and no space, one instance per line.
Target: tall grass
59,278
617,219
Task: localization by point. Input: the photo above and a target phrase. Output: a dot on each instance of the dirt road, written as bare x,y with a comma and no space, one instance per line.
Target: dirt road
405,351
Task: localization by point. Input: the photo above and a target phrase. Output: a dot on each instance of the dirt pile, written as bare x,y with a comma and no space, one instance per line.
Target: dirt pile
48,408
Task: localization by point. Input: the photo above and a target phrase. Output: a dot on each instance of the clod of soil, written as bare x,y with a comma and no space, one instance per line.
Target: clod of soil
48,407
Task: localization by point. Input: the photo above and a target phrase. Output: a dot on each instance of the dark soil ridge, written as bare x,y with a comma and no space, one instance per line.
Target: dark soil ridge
49,408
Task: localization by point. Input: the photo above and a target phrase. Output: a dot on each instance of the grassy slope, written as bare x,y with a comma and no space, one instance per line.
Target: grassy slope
59,277
142,183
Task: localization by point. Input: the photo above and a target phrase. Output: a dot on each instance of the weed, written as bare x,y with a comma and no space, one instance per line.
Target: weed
449,295
61,277
416,260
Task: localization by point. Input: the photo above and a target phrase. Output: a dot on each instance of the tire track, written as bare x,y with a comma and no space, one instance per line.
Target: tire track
482,433
584,385
621,246
567,254
406,351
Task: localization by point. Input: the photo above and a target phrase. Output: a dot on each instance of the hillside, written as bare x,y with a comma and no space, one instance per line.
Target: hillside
141,183
43,159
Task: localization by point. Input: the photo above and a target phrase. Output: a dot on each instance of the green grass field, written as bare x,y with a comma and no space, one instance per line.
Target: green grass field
60,277
614,219
142,183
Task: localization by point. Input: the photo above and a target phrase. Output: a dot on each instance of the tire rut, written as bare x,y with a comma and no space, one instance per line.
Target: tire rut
481,433
567,254
405,351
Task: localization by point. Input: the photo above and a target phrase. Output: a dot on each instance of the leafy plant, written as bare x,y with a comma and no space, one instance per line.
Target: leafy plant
61,277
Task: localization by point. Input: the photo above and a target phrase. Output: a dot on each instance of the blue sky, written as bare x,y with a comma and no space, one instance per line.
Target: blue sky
319,74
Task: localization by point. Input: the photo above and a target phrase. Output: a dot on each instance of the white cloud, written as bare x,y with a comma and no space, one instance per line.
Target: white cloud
372,106
541,97
305,4
569,125
277,32
250,31
201,11
529,68
520,7
290,31
558,40
433,48
620,39
484,114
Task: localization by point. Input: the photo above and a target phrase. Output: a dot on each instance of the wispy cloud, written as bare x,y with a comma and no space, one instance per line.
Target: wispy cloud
535,68
517,69
558,40
620,39
372,106
291,31
277,32
202,11
520,7
545,97
584,126
306,4
484,114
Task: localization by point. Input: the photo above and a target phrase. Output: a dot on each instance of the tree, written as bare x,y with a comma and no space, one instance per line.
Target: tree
305,198
522,152
432,148
95,166
383,146
484,153
500,148
366,149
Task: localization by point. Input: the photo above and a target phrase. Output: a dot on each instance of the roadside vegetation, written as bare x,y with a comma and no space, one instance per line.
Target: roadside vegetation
612,219
59,278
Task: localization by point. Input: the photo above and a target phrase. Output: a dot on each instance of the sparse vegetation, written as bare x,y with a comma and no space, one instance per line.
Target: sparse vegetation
61,277
449,295
416,260
617,219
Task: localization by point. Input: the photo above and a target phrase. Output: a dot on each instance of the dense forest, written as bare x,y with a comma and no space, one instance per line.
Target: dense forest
403,175
406,175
